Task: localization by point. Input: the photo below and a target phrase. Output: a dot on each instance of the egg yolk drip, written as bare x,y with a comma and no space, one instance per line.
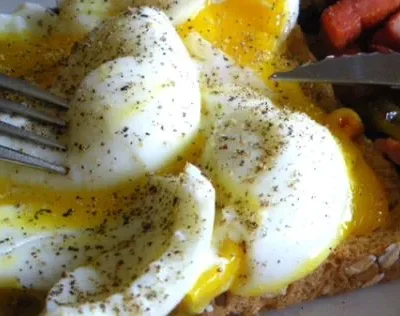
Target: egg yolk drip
215,281
34,57
370,206
46,208
249,33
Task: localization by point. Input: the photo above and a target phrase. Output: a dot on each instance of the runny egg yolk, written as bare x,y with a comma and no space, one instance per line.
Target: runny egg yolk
47,208
370,209
35,57
216,280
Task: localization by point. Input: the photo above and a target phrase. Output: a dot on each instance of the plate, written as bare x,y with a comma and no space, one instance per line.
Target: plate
382,300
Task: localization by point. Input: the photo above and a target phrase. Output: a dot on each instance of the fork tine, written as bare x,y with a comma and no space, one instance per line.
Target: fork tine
11,130
16,108
28,89
11,155
17,157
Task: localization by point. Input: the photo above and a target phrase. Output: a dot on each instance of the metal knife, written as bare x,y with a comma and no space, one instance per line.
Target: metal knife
371,69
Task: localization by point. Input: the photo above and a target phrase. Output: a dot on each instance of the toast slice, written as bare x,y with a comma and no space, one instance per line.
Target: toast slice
357,263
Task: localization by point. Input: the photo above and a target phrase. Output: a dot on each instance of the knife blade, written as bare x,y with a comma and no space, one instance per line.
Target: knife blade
371,69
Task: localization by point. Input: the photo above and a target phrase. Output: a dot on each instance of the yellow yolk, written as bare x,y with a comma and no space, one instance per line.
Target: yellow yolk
191,155
370,210
216,280
370,205
82,209
33,57
258,26
49,209
249,33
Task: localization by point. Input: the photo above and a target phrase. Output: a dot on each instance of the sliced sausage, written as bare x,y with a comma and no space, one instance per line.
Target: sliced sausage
343,22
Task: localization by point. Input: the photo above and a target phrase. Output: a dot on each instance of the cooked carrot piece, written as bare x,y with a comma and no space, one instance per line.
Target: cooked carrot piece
344,21
381,49
347,121
393,27
341,24
389,147
352,49
389,35
372,12
382,41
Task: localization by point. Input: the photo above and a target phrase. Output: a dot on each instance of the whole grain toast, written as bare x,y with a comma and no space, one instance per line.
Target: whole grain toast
358,262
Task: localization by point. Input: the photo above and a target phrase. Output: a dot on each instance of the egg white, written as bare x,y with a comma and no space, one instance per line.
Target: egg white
147,120
84,15
153,270
216,69
29,20
290,18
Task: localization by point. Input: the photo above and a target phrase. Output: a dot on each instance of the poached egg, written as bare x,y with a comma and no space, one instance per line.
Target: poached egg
272,195
128,114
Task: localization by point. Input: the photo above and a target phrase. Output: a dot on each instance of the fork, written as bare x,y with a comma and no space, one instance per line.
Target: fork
26,89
